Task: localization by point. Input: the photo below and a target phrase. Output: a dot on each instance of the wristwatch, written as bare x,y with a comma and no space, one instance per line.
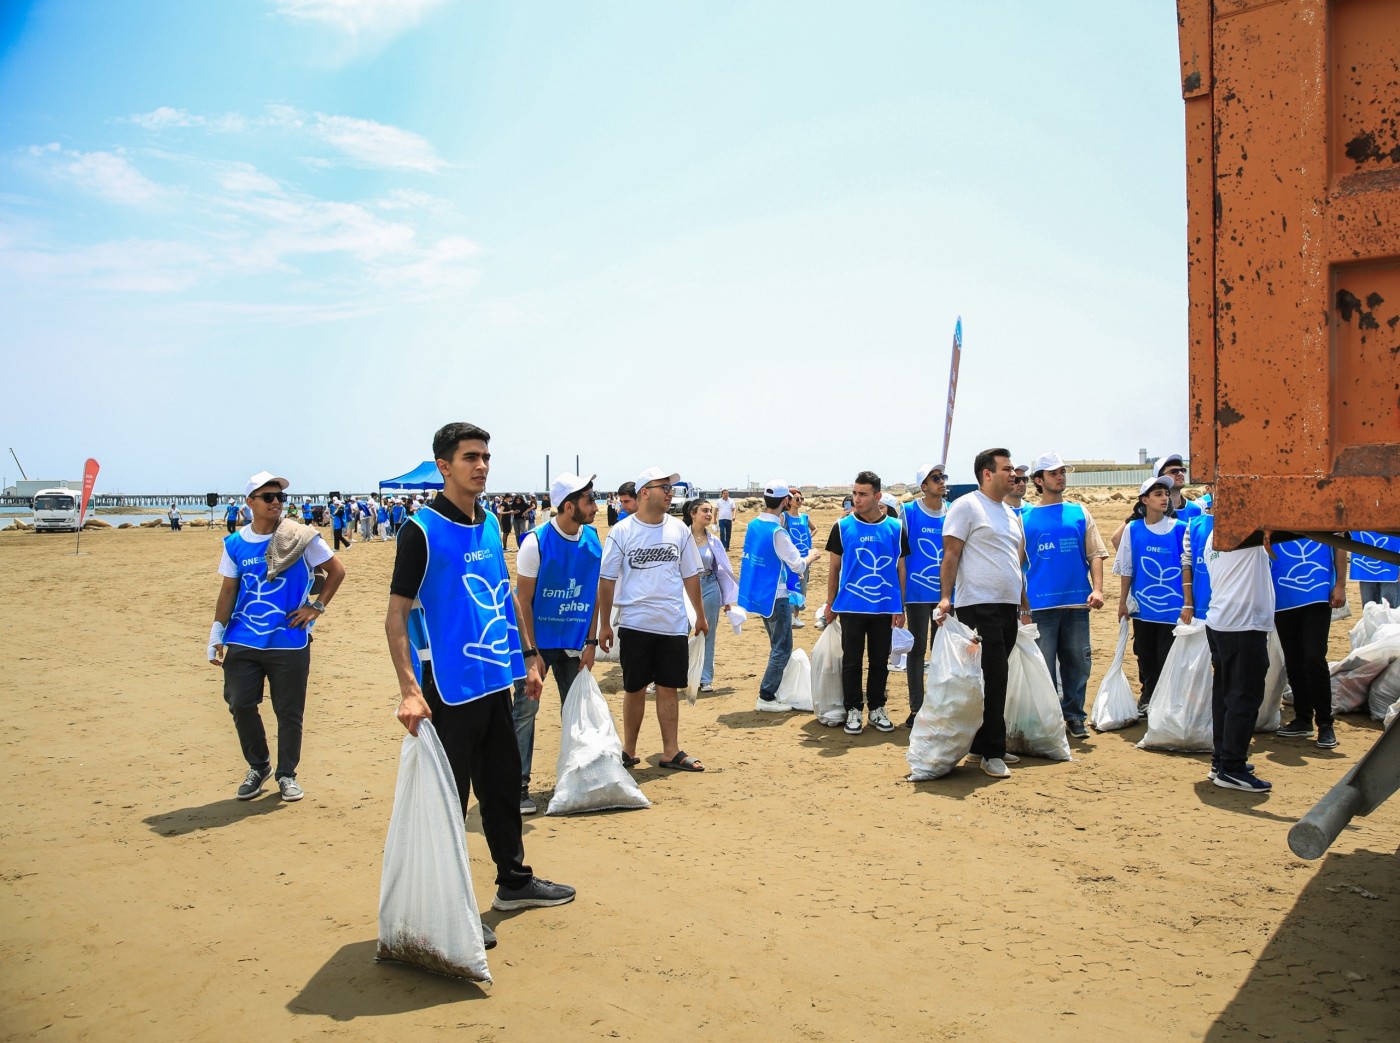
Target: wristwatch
317,605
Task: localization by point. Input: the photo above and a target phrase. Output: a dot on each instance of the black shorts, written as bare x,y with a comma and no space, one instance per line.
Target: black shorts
647,658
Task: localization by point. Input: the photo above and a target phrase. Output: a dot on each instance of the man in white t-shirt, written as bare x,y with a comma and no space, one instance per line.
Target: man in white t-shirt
1241,616
262,632
982,550
724,514
650,565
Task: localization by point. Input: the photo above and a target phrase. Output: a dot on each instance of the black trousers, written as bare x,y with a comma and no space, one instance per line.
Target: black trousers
860,632
1303,632
340,539
285,670
479,739
1151,643
996,625
1240,660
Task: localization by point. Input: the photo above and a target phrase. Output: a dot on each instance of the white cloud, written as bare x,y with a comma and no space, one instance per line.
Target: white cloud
411,199
244,179
165,116
109,175
356,17
378,144
135,265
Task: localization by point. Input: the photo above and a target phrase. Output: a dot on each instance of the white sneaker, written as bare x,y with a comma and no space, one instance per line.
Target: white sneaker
880,721
1011,758
853,725
996,768
797,623
820,623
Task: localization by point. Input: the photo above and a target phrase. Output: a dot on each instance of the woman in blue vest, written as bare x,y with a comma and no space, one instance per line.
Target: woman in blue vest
1155,580
1308,583
719,588
799,527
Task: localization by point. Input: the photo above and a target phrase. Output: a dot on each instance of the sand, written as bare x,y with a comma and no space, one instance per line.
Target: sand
799,889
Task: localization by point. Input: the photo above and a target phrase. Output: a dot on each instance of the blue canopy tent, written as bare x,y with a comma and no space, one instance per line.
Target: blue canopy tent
424,476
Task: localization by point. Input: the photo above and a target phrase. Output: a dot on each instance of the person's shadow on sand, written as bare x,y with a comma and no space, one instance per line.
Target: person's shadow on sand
221,813
352,985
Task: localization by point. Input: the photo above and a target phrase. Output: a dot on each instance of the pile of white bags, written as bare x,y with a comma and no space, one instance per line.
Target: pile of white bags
427,910
1035,723
1355,676
795,689
589,773
828,698
1374,616
952,712
1179,717
1115,706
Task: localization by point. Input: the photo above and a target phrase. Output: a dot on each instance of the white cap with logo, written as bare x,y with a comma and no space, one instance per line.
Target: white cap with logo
777,489
565,484
655,474
264,478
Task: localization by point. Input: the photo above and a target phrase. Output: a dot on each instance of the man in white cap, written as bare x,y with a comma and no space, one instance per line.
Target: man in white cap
557,583
922,539
1016,495
769,555
1064,580
1173,466
650,565
262,630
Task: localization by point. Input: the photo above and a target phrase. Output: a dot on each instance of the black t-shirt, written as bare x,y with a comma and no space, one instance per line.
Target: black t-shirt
411,560
833,542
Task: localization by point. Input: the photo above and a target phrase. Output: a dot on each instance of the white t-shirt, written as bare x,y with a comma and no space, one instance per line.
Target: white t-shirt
527,560
650,563
724,509
1241,591
316,553
989,572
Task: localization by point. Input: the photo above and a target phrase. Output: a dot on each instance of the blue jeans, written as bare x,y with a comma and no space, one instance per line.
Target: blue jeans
726,528
1378,592
779,627
523,709
1064,642
709,599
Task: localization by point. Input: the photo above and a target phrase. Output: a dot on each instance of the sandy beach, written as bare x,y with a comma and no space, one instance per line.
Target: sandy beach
799,889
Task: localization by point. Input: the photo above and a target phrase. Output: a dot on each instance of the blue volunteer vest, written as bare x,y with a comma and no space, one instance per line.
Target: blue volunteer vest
260,612
1200,528
232,513
799,527
1157,572
383,516
1189,509
869,567
396,513
1057,571
306,515
566,586
1303,572
760,571
1373,570
468,614
923,570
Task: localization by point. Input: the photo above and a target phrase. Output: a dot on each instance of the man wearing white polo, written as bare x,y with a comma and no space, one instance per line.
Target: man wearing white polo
724,514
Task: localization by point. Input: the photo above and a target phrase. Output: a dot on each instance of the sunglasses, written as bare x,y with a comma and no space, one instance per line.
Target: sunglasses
1019,480
1174,471
937,478
271,497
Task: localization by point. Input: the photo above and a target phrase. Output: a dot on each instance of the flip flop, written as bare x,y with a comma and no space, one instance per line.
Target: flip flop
682,762
630,762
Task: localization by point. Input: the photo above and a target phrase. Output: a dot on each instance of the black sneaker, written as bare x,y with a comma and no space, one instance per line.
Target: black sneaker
1326,737
1077,729
1214,771
537,894
527,806
1242,780
487,935
253,784
1143,705
909,721
1295,729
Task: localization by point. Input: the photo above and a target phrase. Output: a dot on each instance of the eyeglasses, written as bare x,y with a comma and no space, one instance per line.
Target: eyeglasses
272,497
937,478
1174,471
665,487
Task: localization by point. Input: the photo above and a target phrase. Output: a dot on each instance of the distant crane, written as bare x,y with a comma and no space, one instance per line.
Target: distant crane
20,466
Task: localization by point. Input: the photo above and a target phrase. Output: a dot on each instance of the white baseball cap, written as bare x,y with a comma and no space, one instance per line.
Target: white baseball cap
777,488
655,474
264,478
1163,480
921,475
1049,462
889,500
565,484
1021,468
1168,460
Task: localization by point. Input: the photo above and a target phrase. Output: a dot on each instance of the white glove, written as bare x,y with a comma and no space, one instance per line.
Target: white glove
216,638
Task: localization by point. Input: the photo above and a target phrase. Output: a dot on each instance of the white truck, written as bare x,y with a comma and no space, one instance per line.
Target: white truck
56,510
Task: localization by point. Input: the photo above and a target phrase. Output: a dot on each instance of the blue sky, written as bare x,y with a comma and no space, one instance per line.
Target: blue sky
727,238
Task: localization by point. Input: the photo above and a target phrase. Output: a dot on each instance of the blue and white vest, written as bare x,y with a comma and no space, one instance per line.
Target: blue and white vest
761,572
1189,509
382,515
306,513
232,513
1200,528
799,527
869,567
924,569
1373,570
473,639
396,513
1304,572
566,587
1058,571
1156,582
260,613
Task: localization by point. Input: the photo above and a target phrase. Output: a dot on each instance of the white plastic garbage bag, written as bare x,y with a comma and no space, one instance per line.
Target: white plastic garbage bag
1035,723
736,617
1353,676
427,909
1276,689
613,654
828,698
1385,691
1373,616
589,773
1392,714
796,689
1179,716
696,668
1115,706
952,712
901,641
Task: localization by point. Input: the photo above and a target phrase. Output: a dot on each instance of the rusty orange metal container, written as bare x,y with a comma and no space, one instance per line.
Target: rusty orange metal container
1293,191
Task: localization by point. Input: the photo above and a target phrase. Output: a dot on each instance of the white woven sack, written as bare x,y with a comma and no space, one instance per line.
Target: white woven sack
695,669
828,698
589,773
1353,676
795,691
1035,723
1179,717
952,712
1115,706
1373,616
1385,692
427,910
1276,689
